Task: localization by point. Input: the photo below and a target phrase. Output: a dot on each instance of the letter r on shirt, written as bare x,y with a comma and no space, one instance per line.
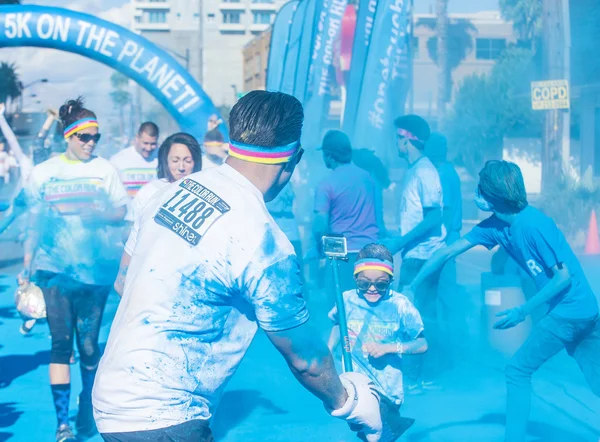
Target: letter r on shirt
534,267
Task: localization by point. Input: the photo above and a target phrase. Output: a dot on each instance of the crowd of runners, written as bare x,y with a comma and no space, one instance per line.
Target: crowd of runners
201,240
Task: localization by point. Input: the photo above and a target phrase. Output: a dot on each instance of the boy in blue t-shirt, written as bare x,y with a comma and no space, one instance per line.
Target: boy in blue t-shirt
383,325
534,241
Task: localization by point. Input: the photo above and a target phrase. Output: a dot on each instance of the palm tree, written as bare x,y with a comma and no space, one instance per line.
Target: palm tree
120,96
441,22
10,85
457,45
526,17
10,2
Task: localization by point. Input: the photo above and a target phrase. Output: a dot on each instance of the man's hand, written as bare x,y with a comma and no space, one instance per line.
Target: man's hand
2,108
361,409
378,350
511,317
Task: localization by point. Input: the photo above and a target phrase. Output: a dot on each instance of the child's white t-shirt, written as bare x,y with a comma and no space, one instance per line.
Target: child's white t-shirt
394,319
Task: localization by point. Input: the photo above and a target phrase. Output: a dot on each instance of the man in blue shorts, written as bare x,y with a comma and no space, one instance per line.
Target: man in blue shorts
534,241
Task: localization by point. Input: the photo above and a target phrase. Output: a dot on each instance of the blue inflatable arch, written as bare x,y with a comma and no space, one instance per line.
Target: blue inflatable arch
134,56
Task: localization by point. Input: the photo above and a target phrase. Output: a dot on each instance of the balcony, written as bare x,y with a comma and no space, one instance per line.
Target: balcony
151,5
263,6
259,27
237,28
229,6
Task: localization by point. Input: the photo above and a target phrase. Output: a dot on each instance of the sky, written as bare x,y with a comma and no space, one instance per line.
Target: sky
71,75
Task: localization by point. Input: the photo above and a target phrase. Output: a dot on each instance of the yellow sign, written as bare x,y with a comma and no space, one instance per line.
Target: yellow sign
552,94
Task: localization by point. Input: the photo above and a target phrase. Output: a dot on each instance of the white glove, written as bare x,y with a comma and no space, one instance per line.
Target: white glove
362,407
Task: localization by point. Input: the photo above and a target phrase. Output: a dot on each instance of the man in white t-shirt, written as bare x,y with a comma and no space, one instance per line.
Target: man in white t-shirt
137,164
205,266
421,229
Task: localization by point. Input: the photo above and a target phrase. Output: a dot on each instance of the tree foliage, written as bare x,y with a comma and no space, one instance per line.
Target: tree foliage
490,106
526,16
10,85
119,95
10,2
460,43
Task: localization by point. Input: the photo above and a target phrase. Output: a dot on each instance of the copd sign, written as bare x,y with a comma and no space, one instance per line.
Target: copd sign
115,46
553,94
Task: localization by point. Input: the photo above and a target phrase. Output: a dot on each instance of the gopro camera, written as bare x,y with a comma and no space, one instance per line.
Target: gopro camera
334,246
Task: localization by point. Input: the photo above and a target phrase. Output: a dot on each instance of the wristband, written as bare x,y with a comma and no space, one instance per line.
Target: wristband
350,404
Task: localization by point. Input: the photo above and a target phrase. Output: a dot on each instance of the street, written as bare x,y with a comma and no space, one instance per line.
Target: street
263,402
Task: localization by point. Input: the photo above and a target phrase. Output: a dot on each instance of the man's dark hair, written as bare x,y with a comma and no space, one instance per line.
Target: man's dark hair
501,184
164,149
375,251
267,119
148,128
416,126
337,145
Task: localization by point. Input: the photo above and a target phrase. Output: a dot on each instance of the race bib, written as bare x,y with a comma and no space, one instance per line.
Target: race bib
191,211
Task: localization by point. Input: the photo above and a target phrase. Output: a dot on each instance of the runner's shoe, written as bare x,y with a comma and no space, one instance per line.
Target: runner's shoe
65,434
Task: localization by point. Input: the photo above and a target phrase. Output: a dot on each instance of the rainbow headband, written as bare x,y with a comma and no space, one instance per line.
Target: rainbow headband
263,155
79,125
373,264
407,134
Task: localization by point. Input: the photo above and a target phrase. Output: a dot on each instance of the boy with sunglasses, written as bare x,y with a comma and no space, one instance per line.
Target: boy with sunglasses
383,325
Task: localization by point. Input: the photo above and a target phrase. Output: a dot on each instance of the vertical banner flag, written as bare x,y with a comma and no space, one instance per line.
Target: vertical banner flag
360,50
385,78
280,34
293,48
321,79
305,53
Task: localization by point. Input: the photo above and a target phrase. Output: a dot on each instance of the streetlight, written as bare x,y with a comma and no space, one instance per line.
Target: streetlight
41,80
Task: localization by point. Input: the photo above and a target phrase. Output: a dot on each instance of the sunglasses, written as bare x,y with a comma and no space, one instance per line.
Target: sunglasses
86,138
364,285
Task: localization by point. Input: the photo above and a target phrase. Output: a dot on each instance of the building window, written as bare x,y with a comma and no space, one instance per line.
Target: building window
232,17
262,18
258,66
489,48
156,17
210,18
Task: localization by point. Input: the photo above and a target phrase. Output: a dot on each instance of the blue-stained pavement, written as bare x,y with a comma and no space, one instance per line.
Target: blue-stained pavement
263,402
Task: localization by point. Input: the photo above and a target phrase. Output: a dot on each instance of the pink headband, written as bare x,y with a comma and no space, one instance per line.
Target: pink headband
407,134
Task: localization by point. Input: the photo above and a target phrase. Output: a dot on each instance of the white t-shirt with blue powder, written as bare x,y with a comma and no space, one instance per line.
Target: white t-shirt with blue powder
209,266
59,191
394,319
422,190
143,196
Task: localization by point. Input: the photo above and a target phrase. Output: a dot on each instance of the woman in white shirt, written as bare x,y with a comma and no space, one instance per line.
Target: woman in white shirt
178,156
73,199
